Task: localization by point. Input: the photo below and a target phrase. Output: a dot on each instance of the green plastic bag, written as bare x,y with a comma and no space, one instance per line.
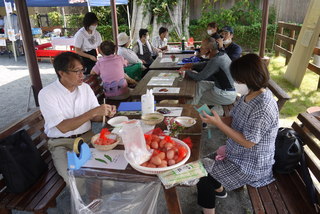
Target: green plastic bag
134,71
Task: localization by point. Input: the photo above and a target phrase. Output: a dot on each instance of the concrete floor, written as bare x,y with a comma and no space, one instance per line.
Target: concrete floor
14,90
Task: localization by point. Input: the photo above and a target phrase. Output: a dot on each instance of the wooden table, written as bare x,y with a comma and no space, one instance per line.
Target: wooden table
156,65
170,52
187,87
131,175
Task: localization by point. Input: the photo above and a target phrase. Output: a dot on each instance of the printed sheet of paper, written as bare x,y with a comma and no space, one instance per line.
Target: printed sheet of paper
174,111
169,75
163,81
117,160
167,90
166,60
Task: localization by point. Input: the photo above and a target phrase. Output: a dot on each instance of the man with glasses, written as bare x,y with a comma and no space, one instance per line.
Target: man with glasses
68,106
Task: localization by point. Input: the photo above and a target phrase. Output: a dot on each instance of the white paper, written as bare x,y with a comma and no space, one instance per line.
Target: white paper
166,60
167,90
118,160
175,111
8,6
11,35
169,75
163,81
2,42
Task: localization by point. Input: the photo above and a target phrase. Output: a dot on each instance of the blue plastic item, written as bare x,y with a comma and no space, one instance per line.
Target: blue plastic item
75,162
204,108
192,59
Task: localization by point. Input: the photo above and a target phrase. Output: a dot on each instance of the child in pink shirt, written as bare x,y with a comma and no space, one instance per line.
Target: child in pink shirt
111,70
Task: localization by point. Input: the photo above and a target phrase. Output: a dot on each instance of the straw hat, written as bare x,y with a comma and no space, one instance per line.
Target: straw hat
123,38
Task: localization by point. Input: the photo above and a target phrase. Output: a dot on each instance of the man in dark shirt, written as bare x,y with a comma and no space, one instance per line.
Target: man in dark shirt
227,45
221,89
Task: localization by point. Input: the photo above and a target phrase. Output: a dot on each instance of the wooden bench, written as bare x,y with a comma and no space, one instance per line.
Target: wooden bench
288,193
95,83
41,195
277,91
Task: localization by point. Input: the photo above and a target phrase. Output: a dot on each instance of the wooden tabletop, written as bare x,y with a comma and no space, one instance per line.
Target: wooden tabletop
156,65
187,87
131,175
170,52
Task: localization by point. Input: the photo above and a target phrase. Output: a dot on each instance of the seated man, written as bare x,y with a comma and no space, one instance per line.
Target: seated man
161,41
232,49
221,89
68,106
144,49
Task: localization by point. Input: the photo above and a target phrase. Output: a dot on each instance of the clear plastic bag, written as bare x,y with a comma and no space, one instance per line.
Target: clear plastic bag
134,142
112,197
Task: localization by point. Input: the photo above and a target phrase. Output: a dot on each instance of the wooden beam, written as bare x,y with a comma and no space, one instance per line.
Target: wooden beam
316,51
289,26
264,25
114,22
314,68
28,46
285,38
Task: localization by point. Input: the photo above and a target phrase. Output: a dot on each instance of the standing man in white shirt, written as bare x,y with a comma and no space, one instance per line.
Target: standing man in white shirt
161,41
68,106
87,40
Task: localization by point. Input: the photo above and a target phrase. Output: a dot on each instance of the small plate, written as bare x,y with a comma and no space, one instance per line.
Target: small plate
117,121
186,121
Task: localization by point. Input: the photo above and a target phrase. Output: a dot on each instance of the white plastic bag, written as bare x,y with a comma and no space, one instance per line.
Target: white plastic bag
134,142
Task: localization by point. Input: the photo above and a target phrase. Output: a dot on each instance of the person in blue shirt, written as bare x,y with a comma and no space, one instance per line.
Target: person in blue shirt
227,45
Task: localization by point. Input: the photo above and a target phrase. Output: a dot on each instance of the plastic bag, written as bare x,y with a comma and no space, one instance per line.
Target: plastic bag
115,197
187,174
134,142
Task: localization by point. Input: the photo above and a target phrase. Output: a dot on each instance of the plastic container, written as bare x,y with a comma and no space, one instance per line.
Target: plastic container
147,102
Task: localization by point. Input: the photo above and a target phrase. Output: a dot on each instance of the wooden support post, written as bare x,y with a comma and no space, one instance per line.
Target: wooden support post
28,45
307,40
114,22
264,25
279,42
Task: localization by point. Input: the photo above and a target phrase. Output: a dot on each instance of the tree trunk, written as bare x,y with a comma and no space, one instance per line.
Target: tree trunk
140,19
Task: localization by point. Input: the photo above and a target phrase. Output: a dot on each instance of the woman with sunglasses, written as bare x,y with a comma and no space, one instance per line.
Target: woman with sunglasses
87,40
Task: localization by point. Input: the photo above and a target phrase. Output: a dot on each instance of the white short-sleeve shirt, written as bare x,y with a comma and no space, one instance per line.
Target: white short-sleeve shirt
157,42
85,41
57,103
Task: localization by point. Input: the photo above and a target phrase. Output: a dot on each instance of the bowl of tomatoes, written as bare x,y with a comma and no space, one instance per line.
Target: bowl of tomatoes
168,153
105,140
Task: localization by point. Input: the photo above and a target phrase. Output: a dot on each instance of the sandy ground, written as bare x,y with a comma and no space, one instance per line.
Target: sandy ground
14,91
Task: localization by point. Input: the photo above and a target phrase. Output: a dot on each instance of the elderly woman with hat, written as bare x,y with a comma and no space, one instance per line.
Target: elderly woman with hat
125,52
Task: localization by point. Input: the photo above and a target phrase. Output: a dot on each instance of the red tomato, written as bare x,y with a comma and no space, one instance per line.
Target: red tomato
182,152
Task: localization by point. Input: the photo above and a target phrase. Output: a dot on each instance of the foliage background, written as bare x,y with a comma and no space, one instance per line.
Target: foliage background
245,17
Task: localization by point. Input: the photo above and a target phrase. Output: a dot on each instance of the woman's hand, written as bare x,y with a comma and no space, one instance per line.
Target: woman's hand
213,120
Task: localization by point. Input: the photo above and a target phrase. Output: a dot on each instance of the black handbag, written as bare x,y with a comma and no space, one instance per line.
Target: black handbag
20,162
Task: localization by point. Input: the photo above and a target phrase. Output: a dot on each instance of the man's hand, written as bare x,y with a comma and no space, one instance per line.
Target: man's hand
104,110
220,42
93,58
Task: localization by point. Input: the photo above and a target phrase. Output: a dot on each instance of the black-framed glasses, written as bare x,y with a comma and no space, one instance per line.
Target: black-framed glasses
78,71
